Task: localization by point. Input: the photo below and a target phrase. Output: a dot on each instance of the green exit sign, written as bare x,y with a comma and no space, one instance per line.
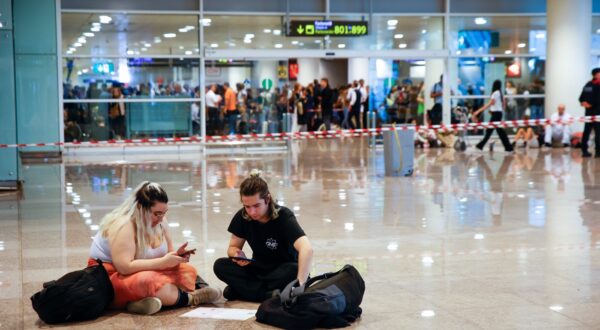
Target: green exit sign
328,28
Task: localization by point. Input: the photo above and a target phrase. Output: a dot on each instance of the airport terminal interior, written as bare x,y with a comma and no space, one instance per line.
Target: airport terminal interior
364,117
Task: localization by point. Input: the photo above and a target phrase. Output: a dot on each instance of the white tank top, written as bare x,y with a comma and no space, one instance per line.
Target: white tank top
100,249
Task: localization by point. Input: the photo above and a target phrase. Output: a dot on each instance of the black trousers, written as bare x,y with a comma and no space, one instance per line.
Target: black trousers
213,121
255,282
354,113
587,130
496,116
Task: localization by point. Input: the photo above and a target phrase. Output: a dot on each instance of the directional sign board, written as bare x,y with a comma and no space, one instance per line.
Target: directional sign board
328,28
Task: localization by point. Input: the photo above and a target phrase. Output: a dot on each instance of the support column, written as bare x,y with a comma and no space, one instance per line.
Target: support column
358,68
8,124
568,54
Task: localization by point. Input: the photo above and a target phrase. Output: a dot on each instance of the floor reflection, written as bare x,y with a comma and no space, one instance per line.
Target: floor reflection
498,222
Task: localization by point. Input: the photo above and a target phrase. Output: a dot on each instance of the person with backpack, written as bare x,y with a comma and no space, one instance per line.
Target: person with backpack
281,252
136,249
496,105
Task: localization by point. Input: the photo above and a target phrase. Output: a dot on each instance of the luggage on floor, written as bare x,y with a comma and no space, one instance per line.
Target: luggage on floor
331,300
77,296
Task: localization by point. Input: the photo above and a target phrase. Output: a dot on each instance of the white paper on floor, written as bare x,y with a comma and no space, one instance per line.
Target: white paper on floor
221,313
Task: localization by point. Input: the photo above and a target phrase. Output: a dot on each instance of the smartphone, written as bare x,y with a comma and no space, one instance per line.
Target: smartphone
187,252
241,259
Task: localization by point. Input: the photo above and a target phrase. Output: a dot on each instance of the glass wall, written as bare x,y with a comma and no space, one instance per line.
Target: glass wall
130,75
149,63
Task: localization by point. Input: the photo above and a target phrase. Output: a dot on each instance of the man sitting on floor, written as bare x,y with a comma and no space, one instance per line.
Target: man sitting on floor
558,131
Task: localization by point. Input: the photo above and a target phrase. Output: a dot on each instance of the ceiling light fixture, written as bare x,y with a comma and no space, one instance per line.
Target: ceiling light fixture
342,46
88,34
105,19
398,36
267,30
480,21
392,22
95,29
522,45
278,45
402,45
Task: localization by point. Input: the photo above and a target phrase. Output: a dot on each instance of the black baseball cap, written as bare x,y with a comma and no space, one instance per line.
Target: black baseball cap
595,70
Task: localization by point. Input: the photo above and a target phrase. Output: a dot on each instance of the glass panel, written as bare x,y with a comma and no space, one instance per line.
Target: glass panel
596,32
498,35
129,34
255,32
520,76
390,32
89,78
397,90
117,120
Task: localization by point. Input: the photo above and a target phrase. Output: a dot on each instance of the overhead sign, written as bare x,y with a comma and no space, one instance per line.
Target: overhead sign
267,83
328,28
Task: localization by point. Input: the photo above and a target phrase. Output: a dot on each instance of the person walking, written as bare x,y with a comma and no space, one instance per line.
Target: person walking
496,106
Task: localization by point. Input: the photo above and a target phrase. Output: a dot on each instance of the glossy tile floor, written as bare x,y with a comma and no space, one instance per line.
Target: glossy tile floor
471,241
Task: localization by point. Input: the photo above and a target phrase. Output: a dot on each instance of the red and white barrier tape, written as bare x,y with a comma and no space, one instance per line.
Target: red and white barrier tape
309,135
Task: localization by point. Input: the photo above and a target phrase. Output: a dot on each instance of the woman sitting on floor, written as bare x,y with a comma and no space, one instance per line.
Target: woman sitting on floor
137,251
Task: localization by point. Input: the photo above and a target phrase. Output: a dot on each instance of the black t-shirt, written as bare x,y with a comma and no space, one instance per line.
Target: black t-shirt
272,242
326,100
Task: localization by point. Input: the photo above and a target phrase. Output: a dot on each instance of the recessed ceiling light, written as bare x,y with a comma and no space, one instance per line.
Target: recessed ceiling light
402,45
147,45
105,19
294,42
247,41
522,45
206,21
88,34
267,30
480,21
318,41
189,27
423,31
157,40
79,73
183,30
249,36
130,52
169,35
72,49
82,40
278,45
342,46
95,24
428,313
188,52
95,29
144,49
398,36
77,44
542,35
277,32
508,52
181,47
458,52
215,45
392,22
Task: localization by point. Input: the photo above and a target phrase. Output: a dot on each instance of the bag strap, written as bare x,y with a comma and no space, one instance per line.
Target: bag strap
290,293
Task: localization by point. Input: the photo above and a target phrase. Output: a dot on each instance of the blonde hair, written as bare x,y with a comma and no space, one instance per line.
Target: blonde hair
255,184
136,209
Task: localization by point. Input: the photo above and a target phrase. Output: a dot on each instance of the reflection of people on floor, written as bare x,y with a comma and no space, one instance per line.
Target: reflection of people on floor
495,195
590,207
281,251
558,167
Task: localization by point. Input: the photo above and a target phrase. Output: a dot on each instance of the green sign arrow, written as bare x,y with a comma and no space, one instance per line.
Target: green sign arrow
300,29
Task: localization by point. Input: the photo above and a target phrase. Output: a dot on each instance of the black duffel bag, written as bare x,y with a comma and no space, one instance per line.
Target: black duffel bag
330,300
77,296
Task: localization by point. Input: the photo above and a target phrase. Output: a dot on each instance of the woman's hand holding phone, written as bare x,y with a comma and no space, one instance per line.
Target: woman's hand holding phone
182,252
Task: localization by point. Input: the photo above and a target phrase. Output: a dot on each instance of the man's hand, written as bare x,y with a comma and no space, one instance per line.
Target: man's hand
586,105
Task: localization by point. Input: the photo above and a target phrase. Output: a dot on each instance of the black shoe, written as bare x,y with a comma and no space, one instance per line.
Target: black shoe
566,145
229,294
597,155
514,144
548,145
586,154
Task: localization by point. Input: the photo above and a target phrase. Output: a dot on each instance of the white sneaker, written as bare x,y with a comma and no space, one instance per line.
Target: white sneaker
146,306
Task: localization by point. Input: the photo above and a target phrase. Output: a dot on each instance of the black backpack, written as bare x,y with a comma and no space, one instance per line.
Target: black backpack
77,296
330,300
